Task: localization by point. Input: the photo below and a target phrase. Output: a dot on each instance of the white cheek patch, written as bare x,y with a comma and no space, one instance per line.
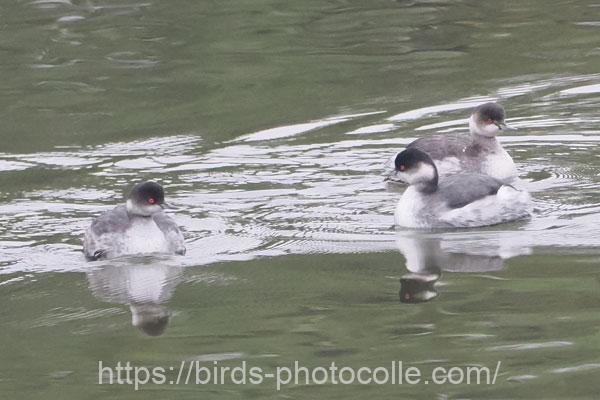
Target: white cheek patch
419,174
136,209
424,173
489,130
483,129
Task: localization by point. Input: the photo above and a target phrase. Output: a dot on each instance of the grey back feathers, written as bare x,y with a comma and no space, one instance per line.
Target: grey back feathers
459,190
455,191
115,220
118,220
441,146
171,231
476,152
464,146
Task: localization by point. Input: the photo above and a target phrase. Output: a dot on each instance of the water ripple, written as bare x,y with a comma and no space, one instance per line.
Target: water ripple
277,191
530,346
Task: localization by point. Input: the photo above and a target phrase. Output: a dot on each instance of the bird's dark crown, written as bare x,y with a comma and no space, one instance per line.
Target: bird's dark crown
148,193
410,158
490,111
410,161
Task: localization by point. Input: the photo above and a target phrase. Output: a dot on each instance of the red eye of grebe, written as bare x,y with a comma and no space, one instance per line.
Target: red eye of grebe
151,200
401,167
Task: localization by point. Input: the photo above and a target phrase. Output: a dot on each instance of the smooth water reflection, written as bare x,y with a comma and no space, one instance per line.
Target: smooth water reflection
145,285
428,255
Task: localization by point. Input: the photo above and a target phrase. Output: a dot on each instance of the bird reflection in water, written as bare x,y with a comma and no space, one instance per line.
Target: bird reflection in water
428,254
144,284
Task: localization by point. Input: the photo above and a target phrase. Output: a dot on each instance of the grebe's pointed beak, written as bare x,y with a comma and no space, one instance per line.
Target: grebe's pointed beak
504,127
168,206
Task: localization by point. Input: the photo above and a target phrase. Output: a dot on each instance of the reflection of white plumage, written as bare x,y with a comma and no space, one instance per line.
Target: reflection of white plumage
428,254
138,227
480,152
463,200
144,287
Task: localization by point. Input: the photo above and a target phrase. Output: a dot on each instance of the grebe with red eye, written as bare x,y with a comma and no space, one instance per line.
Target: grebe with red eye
480,152
137,227
461,200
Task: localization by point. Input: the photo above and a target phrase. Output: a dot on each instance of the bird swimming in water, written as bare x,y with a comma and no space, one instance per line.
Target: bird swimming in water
479,152
461,200
138,227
